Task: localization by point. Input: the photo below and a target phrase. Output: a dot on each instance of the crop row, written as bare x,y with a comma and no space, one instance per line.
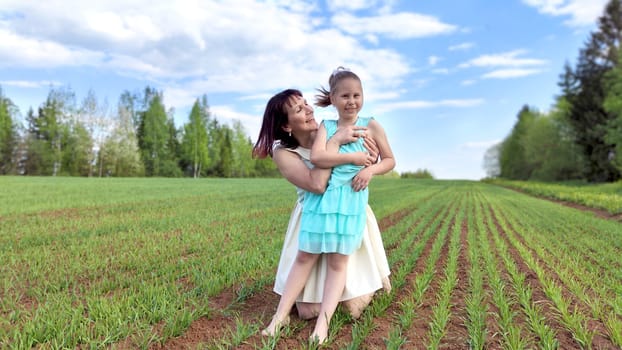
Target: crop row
606,197
473,266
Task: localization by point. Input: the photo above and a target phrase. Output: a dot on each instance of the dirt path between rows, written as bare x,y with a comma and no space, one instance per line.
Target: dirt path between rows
210,331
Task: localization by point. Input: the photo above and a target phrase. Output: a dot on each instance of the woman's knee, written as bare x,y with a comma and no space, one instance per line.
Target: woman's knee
357,305
307,311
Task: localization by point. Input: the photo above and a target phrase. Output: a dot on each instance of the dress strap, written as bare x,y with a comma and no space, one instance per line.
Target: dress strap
304,153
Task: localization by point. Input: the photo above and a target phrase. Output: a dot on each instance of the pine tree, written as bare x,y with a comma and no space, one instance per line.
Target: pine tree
613,105
586,90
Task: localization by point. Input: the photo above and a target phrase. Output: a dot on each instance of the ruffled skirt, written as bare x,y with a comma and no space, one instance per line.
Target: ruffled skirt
368,268
333,222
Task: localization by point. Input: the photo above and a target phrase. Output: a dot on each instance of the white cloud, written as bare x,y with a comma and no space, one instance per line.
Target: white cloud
461,47
479,144
457,103
229,114
196,46
507,59
351,5
29,83
22,51
354,5
395,25
433,60
581,12
510,73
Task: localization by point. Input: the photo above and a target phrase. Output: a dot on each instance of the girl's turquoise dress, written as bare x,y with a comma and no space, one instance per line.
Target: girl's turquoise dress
333,222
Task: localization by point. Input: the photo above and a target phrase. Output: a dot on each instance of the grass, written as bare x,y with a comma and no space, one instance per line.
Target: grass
97,262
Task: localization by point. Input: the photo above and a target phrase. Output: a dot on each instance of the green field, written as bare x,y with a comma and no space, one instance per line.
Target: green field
607,196
147,263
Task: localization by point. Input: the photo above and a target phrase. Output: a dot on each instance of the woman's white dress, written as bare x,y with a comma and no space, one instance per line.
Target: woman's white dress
368,268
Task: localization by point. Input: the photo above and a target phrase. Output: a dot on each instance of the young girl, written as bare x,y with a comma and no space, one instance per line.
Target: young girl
332,223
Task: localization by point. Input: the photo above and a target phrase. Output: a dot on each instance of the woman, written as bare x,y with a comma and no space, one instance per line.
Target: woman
287,134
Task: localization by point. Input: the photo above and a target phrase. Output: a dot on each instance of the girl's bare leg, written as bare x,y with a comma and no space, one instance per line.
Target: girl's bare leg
293,286
333,288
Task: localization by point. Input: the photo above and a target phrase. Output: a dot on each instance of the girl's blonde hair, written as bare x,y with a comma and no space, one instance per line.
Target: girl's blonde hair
323,98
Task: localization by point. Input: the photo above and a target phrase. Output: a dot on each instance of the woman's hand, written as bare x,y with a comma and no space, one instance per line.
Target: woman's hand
361,180
372,148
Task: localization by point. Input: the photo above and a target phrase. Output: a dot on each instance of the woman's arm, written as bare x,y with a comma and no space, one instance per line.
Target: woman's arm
296,171
387,161
293,168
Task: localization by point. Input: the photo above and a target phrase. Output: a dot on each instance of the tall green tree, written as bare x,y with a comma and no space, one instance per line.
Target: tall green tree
47,133
195,141
223,166
172,162
549,151
213,146
120,155
129,103
613,105
242,148
36,157
586,90
93,115
265,168
78,155
512,158
491,161
153,136
8,134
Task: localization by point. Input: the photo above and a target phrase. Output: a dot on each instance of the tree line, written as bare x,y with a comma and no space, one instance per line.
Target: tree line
581,137
66,138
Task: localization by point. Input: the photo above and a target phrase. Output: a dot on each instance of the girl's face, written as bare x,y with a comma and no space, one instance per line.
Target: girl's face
300,117
348,98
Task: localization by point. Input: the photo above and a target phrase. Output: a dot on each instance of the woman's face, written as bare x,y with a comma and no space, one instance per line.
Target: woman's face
300,117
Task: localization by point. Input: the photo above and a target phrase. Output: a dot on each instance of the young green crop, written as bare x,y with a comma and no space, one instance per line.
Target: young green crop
96,263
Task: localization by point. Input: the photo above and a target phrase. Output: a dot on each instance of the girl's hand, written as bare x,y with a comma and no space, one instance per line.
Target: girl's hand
361,180
362,159
347,134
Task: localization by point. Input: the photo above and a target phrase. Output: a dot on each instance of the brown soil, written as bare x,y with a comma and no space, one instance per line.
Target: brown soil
256,310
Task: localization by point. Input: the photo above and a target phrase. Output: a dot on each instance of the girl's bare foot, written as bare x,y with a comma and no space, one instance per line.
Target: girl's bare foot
275,326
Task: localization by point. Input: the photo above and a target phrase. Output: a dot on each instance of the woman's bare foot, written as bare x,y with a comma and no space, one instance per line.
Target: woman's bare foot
275,326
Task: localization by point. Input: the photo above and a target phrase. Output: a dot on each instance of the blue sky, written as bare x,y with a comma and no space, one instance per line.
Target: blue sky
445,78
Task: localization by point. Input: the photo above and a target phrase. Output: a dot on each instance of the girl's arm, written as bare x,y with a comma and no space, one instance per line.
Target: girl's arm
321,157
